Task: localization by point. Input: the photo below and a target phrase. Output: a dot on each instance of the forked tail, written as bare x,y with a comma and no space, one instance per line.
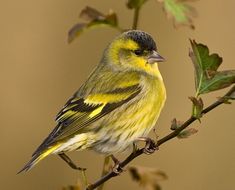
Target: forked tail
38,157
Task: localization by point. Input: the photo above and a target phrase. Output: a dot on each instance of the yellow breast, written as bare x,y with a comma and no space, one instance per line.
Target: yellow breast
152,102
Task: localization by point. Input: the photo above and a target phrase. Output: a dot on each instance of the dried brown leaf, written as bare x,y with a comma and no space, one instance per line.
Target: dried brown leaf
94,19
175,124
147,177
187,133
90,14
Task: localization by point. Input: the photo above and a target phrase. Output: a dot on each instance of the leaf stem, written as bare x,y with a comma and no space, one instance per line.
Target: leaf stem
136,18
163,140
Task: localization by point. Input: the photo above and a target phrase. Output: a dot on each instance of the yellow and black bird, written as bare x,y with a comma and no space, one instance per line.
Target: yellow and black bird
118,104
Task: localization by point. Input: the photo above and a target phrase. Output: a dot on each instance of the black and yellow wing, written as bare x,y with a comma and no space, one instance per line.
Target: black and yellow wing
105,90
80,112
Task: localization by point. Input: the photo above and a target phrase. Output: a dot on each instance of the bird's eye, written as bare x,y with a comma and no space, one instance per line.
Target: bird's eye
138,52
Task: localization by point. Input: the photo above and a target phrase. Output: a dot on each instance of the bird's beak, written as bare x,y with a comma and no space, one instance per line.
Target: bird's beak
154,57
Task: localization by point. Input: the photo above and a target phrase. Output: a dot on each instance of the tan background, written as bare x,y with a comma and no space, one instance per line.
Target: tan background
39,71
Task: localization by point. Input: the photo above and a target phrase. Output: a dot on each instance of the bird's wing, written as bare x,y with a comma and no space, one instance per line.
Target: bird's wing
80,112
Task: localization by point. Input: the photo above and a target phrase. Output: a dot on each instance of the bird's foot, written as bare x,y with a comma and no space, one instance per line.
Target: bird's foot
150,146
117,169
79,168
70,162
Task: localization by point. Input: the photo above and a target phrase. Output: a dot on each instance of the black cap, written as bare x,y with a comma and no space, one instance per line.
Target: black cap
144,40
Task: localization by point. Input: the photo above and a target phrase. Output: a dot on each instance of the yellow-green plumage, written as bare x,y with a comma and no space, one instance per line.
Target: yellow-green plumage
120,101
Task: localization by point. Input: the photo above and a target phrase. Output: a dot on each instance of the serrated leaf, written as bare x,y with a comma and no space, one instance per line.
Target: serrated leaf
133,4
180,11
197,107
220,80
94,19
207,78
187,133
147,177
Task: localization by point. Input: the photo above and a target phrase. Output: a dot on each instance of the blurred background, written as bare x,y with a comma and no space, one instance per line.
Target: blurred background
39,71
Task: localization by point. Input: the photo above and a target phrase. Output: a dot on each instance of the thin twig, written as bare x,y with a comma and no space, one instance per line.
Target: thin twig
163,140
136,18
84,176
105,170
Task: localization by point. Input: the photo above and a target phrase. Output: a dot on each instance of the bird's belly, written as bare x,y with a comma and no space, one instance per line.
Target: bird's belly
116,131
125,127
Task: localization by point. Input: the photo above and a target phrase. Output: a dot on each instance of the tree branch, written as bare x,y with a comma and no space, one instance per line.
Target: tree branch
163,140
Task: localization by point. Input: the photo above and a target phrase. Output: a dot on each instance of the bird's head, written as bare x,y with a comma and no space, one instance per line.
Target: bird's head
134,50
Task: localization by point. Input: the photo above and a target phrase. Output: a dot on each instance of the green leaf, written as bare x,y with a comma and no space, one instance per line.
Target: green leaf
135,4
93,19
221,80
207,78
149,178
187,133
180,11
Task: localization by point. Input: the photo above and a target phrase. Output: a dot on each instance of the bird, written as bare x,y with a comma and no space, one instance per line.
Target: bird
119,103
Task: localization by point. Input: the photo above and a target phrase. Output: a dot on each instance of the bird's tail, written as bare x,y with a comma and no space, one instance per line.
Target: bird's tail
38,157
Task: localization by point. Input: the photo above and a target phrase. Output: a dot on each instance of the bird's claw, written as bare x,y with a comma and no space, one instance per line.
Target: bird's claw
117,169
150,146
150,149
73,166
81,169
